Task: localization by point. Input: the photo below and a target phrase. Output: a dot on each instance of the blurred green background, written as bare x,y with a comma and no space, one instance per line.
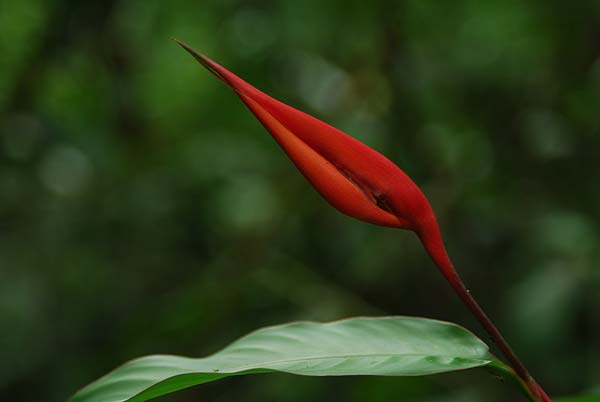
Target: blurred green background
144,210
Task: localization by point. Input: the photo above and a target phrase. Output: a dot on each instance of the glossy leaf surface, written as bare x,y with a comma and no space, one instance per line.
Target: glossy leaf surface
390,346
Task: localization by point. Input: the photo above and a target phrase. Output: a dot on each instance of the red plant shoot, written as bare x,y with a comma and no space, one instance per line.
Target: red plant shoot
362,183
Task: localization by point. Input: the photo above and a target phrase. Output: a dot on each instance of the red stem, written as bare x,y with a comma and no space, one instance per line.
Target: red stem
432,240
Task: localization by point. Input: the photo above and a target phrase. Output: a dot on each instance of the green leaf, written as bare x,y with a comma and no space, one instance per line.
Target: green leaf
391,346
589,398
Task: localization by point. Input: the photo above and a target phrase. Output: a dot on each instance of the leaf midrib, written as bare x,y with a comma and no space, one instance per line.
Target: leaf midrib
351,356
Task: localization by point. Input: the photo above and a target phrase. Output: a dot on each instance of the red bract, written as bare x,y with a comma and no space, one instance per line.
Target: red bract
354,178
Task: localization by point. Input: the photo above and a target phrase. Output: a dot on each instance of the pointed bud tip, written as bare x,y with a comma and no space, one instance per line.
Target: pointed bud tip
183,45
202,59
197,55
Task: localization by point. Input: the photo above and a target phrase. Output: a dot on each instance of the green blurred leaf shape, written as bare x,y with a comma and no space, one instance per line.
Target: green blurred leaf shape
388,346
589,398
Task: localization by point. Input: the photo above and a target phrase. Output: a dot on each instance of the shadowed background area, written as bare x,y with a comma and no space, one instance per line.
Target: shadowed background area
144,210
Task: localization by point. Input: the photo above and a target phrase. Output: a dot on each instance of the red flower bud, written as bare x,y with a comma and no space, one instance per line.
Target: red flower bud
355,179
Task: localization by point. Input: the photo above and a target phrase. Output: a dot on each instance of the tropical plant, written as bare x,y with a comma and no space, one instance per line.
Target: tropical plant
364,184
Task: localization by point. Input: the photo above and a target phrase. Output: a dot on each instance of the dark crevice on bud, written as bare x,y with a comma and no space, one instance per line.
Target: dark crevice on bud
375,197
382,203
